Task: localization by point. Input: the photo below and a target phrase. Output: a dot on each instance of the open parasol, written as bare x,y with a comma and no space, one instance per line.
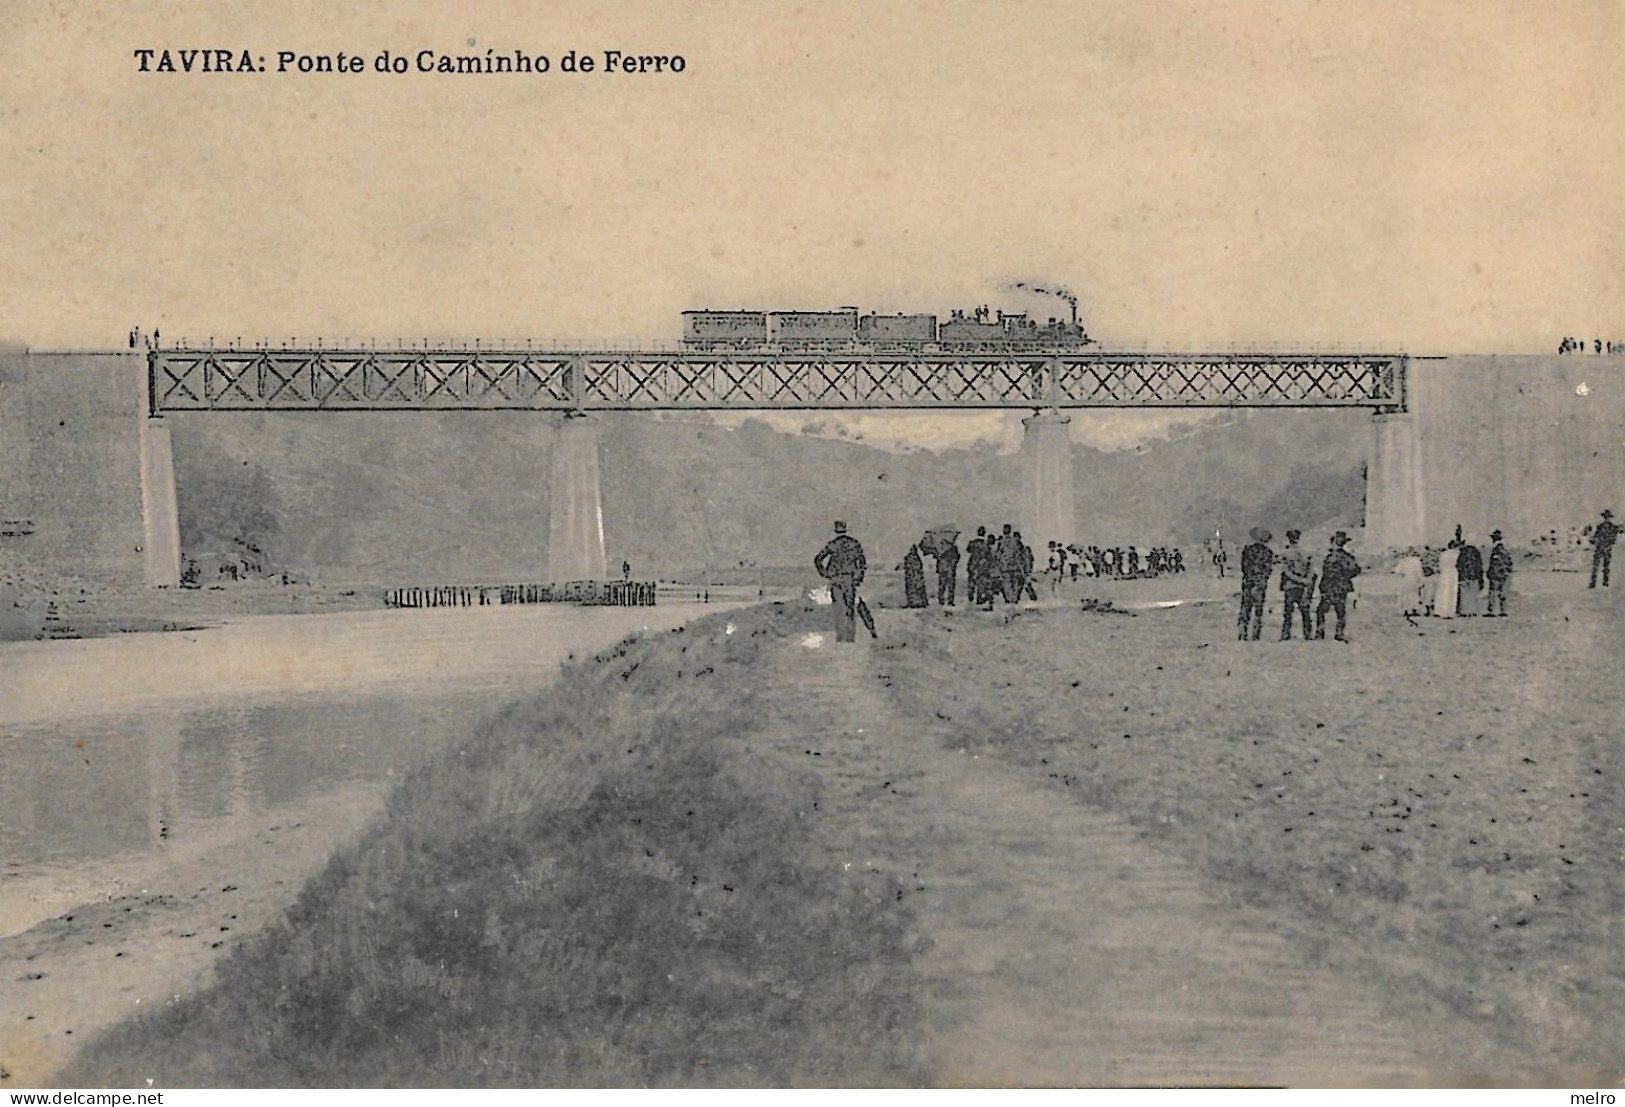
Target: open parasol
938,539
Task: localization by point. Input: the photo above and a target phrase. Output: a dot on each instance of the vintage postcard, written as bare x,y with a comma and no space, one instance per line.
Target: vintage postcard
811,545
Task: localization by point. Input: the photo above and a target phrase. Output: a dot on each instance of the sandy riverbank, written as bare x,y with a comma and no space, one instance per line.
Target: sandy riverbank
141,932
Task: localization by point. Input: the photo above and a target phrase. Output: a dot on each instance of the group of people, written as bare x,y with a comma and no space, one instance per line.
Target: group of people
999,566
944,550
1115,561
1338,568
1568,547
1451,582
1003,566
1456,580
1578,346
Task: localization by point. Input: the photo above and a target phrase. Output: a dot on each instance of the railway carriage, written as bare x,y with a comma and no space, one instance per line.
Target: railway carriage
714,330
813,328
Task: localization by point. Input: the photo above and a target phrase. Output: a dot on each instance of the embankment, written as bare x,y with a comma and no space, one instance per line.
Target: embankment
599,888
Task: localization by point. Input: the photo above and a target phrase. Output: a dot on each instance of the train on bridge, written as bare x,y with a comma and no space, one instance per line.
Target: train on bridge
846,329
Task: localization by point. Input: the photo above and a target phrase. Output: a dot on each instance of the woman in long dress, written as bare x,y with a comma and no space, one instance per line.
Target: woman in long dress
1409,570
913,578
1470,574
1444,604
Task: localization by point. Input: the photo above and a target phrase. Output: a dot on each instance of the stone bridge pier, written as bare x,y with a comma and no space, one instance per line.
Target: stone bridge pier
160,515
1048,507
1394,514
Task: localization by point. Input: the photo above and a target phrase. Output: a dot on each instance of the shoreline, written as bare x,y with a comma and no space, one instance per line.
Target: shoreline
156,934
284,655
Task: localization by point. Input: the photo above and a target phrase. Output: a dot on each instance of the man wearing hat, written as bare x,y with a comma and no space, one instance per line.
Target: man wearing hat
1337,573
1602,546
1498,573
1257,559
1297,584
841,562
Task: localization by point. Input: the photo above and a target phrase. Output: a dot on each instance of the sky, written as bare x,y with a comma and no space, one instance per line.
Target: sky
1427,177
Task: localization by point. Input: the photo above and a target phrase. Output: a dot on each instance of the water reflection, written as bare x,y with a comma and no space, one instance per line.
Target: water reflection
89,788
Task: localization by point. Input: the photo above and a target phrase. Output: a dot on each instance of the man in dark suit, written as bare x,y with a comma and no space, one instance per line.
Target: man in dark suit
1257,560
841,562
1603,537
1337,573
947,570
978,568
1007,570
1498,574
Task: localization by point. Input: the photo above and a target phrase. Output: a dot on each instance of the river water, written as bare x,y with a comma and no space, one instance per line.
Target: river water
114,749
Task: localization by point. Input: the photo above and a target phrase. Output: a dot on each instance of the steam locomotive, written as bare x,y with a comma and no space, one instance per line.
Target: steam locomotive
846,329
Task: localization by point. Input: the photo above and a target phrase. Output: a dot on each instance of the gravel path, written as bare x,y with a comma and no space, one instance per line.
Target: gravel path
1063,949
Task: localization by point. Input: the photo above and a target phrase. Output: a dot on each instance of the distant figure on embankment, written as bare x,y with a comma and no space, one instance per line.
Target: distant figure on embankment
1602,547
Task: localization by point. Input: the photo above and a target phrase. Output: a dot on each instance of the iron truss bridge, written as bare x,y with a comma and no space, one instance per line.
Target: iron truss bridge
582,381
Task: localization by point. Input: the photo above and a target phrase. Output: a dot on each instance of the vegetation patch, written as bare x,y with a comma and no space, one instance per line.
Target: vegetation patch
600,887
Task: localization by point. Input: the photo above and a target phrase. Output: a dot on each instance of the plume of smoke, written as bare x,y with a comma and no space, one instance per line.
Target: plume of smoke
1058,290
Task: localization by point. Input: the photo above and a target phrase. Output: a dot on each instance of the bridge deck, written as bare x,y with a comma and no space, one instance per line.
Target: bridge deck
610,380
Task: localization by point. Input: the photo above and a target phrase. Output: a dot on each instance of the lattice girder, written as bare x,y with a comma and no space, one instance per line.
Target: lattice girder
566,380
